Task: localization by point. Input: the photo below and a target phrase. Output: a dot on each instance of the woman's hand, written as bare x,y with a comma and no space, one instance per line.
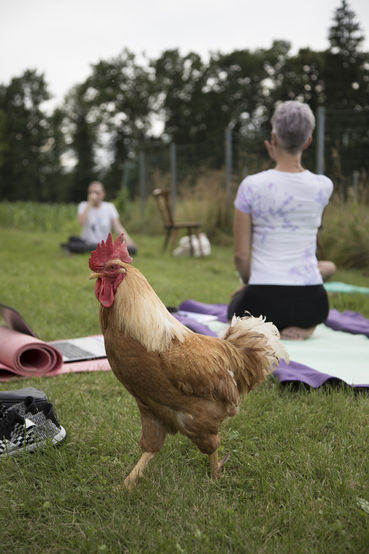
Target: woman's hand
93,199
237,290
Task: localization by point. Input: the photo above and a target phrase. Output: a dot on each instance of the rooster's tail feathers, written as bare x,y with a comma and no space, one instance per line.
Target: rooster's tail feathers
261,349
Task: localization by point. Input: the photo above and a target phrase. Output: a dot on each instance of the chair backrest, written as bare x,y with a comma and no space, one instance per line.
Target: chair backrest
162,198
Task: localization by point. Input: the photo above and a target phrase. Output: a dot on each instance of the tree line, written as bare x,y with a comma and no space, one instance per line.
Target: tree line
129,103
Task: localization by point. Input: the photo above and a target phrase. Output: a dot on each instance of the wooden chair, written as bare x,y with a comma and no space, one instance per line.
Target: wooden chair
172,227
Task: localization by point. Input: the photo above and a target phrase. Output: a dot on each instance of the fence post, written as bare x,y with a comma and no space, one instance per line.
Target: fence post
228,160
141,161
320,140
355,184
173,175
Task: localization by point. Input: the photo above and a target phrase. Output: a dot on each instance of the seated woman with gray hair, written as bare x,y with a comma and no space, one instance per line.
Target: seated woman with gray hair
277,216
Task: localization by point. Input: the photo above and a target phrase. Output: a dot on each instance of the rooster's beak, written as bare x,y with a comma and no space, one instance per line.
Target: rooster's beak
95,276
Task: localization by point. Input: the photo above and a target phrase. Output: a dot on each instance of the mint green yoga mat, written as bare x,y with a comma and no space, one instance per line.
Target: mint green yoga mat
341,355
337,286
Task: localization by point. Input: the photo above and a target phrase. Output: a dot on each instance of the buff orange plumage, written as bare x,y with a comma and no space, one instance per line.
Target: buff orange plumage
182,382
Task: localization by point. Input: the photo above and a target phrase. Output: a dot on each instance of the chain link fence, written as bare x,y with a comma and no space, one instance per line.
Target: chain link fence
346,150
341,151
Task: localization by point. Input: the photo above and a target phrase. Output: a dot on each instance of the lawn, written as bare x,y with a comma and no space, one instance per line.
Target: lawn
297,478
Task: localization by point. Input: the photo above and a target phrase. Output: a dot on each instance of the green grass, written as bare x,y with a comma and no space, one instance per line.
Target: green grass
298,464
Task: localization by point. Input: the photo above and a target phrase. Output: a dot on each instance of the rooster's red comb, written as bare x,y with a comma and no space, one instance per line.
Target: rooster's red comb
109,250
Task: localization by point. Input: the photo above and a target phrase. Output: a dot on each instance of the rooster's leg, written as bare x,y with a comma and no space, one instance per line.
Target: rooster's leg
152,438
138,470
215,465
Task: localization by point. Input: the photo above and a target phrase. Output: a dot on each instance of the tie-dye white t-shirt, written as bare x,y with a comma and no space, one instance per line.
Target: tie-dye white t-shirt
286,211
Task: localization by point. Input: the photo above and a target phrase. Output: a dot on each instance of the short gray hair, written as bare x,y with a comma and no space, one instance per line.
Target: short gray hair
293,122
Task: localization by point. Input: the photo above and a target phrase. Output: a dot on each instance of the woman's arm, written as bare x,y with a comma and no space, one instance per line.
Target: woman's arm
92,201
82,217
118,229
242,231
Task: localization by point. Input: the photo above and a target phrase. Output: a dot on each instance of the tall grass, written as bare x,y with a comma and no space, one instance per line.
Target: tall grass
346,233
207,202
203,201
34,216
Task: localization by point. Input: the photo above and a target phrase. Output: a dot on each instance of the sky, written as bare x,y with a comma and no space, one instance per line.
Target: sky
62,38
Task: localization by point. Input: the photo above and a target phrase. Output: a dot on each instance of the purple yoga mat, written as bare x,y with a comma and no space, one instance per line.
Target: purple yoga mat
195,326
347,321
350,322
219,310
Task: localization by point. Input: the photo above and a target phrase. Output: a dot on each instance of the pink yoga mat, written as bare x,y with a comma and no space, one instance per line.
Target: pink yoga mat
27,356
23,354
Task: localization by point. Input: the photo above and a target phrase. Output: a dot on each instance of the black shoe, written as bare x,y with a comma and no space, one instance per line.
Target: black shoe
16,433
43,416
40,425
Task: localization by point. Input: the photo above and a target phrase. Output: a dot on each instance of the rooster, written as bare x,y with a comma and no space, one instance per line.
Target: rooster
182,381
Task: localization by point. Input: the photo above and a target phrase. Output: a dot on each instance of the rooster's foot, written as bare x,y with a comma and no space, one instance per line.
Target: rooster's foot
138,470
216,466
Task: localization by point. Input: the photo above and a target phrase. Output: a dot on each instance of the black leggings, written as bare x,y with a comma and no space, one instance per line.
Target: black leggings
79,246
284,305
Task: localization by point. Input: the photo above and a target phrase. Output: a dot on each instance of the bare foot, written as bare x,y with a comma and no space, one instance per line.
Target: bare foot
296,333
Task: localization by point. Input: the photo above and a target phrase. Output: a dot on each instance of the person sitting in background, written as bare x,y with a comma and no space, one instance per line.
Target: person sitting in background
97,218
277,216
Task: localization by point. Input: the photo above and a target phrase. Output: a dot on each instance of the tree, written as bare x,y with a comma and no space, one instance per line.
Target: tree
180,82
57,178
302,78
25,127
345,36
346,77
346,71
121,101
200,100
81,138
3,141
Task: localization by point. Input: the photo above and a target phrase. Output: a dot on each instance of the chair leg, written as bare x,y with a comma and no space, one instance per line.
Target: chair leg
174,239
166,240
